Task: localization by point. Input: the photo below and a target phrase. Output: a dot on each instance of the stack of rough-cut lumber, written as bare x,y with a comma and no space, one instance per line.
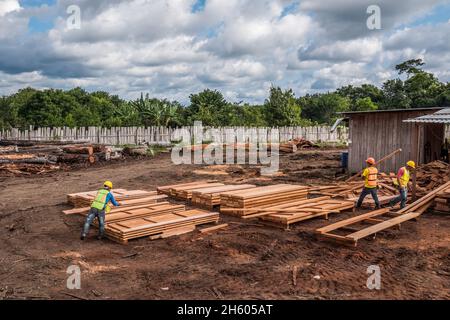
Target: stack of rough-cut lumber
184,191
442,201
296,211
233,202
210,197
158,226
84,199
132,203
292,211
156,220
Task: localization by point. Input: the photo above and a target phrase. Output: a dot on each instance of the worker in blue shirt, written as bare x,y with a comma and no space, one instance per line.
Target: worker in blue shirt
98,208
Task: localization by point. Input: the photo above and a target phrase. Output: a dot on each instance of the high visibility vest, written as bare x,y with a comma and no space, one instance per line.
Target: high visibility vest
404,179
99,202
372,177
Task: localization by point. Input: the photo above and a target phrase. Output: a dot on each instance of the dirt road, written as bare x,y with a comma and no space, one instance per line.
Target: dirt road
38,243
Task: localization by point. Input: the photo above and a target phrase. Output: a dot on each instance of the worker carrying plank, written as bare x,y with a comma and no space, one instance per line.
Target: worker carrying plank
98,208
401,182
370,175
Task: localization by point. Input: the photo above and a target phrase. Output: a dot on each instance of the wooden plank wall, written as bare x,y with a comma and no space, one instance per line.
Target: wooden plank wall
378,134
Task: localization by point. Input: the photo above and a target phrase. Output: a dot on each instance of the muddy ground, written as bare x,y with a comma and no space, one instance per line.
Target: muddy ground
246,261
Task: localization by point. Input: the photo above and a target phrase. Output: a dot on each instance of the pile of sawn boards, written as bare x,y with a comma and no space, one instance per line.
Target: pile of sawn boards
442,201
184,191
235,202
84,199
210,197
142,216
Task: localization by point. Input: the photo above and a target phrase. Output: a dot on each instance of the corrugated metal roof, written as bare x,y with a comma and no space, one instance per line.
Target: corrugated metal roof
390,110
442,116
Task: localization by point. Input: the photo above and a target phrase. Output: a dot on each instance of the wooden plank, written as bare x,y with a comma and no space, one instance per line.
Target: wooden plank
206,230
382,226
351,221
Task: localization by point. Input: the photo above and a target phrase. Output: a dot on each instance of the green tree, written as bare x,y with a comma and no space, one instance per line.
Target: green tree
323,108
206,106
282,109
395,96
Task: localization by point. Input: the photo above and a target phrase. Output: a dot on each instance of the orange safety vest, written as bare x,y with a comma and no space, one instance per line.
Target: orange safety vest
371,178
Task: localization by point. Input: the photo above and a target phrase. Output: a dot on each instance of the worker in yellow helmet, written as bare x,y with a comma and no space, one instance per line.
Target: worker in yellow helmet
401,182
98,207
370,176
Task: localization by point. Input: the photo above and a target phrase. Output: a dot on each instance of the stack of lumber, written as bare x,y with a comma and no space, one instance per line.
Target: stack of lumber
210,197
295,144
284,214
157,226
234,202
124,204
442,201
166,189
84,199
155,220
184,191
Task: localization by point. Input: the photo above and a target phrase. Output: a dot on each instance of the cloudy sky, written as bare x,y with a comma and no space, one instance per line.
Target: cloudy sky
171,48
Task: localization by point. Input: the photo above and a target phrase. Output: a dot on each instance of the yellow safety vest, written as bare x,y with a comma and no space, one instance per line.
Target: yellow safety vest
371,175
99,202
404,179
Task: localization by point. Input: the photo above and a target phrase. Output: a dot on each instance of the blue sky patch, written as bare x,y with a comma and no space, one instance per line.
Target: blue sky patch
39,25
199,5
36,3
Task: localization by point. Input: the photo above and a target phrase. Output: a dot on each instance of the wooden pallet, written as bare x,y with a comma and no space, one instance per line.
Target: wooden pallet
210,197
235,201
347,231
160,226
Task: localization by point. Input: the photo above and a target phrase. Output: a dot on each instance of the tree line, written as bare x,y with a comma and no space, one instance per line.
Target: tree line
79,108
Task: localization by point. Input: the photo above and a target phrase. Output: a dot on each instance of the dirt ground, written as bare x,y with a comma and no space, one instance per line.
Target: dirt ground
246,261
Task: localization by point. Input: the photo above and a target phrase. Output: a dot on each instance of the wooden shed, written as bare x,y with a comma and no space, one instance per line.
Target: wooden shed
378,133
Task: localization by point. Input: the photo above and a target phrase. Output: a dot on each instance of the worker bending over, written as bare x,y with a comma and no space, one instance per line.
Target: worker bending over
370,175
401,182
98,208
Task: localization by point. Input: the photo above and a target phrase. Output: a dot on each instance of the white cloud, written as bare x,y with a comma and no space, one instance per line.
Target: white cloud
7,6
240,47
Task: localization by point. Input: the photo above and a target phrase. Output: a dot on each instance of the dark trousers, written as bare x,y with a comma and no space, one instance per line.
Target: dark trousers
94,213
403,197
365,192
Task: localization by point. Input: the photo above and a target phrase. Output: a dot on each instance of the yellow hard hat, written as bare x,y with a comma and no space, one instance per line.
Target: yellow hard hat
411,164
108,184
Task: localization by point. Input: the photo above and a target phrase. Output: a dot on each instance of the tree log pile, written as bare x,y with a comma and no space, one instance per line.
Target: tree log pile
294,145
36,157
